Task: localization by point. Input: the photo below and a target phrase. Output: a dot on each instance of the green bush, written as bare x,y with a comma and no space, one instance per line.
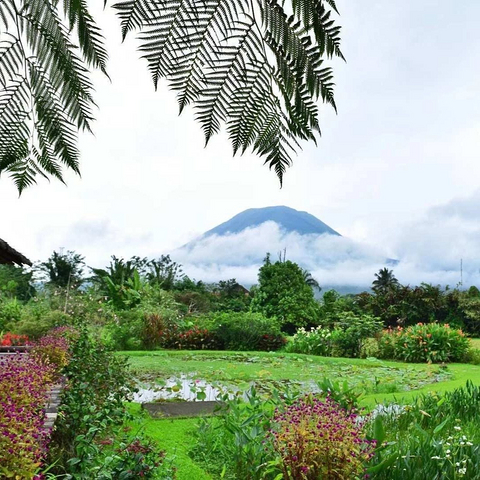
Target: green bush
431,342
351,331
370,348
37,327
244,331
124,331
10,311
473,356
346,339
316,341
87,442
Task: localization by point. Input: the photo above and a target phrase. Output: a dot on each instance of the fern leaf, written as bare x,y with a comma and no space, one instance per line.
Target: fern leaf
45,86
246,65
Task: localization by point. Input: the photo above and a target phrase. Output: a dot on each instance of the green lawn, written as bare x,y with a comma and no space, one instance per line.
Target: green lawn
476,342
382,381
173,436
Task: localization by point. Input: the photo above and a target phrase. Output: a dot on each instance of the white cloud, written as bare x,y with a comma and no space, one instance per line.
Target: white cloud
428,249
333,260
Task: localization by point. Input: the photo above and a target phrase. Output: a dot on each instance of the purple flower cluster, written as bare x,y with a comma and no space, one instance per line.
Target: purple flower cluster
53,349
69,333
316,438
24,388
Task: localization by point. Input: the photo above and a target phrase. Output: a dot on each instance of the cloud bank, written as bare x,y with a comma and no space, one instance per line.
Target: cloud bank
428,250
336,261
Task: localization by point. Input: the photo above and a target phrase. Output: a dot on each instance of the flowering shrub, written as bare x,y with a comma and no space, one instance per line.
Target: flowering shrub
345,339
318,439
24,385
432,342
52,349
71,334
316,341
12,340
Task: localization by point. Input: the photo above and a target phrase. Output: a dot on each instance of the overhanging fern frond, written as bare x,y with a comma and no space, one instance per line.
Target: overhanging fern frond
45,86
134,14
255,66
90,38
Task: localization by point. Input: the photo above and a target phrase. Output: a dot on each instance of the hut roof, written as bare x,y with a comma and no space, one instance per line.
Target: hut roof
10,256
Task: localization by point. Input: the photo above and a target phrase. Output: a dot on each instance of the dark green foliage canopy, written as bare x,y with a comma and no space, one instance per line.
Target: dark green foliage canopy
16,282
283,293
64,269
255,67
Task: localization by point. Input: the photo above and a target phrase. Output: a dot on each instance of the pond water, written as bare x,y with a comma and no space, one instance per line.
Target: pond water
194,390
181,388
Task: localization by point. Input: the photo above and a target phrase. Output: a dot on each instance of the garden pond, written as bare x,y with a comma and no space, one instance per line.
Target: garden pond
235,375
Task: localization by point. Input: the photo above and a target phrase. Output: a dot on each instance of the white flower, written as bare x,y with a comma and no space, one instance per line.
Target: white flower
469,444
448,451
462,471
456,427
436,457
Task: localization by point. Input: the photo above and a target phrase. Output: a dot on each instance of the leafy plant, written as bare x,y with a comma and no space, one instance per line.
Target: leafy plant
432,437
98,384
316,341
351,331
316,438
24,388
284,294
244,331
63,270
234,445
425,343
10,311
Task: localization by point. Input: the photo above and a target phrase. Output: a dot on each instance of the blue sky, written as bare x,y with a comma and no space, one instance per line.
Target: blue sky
391,170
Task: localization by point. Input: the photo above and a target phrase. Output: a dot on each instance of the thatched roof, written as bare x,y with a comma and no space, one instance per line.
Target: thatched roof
11,256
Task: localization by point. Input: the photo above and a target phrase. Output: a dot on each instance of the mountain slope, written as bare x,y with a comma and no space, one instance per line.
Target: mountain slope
288,218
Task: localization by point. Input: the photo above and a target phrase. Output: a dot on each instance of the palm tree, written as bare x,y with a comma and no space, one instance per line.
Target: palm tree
253,66
384,280
310,281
